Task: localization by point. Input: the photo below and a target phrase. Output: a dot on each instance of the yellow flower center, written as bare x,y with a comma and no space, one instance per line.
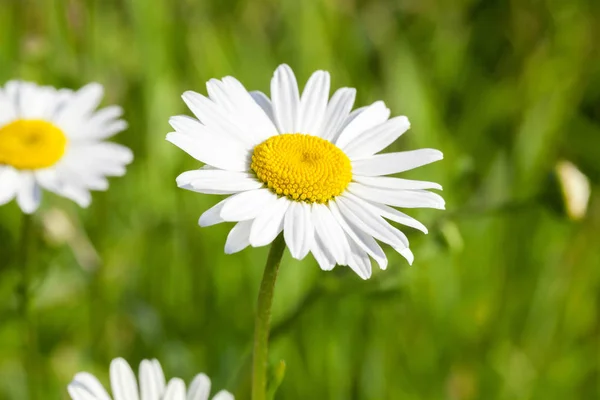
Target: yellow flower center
31,144
302,167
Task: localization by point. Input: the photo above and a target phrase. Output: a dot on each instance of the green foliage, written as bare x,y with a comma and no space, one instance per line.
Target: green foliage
503,299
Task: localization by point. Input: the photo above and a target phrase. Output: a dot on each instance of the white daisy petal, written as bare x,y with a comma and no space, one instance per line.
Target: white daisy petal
22,91
298,229
322,254
78,108
217,93
394,215
50,180
392,163
100,132
217,181
90,384
150,388
355,113
122,380
359,261
95,182
239,237
78,194
108,152
106,123
87,98
71,174
223,395
398,198
29,194
385,182
78,393
217,151
247,205
263,102
252,116
330,233
313,103
9,184
285,99
67,182
242,109
12,90
407,254
159,376
212,216
175,390
84,161
377,138
199,388
364,241
215,118
370,245
374,115
338,110
269,223
36,102
8,110
365,219
63,96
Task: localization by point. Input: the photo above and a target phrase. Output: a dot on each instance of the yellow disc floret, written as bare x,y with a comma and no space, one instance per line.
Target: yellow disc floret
31,144
302,167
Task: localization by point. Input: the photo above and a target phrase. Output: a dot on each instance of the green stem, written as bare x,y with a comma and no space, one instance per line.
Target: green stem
23,304
263,319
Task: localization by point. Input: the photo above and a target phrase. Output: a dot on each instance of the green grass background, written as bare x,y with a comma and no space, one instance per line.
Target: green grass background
503,300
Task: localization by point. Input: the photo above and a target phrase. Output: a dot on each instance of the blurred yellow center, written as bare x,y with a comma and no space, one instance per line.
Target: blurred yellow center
31,144
302,167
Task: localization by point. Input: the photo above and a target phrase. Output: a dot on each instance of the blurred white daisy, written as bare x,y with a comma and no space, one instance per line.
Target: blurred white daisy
575,189
305,165
53,139
152,385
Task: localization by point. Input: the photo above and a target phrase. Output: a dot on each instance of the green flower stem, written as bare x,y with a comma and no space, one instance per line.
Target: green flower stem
23,304
263,319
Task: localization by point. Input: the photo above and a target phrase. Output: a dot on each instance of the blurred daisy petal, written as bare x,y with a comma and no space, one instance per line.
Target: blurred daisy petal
175,390
199,388
51,139
122,380
85,386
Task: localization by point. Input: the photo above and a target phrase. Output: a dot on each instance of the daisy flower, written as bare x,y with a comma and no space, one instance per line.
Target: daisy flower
152,385
306,165
53,139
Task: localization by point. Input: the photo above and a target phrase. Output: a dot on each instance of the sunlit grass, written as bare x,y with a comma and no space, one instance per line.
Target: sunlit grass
502,300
